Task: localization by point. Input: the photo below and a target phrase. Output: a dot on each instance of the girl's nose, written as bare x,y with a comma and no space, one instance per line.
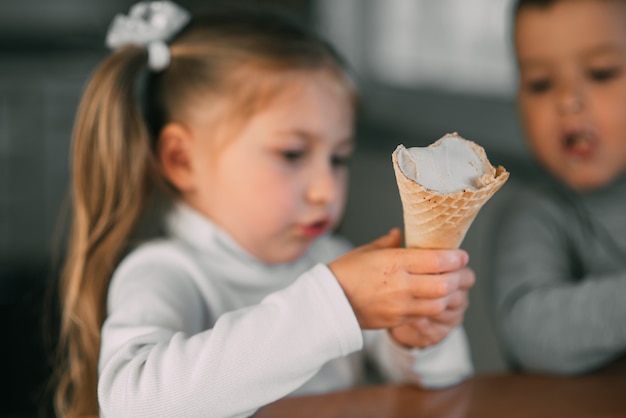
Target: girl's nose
570,100
322,188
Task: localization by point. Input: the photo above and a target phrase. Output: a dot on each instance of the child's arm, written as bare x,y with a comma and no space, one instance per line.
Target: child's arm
165,352
549,319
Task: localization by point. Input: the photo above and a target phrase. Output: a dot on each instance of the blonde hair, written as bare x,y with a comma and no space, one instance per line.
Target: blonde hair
114,165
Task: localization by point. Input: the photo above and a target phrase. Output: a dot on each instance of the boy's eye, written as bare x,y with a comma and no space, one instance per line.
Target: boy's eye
604,74
539,86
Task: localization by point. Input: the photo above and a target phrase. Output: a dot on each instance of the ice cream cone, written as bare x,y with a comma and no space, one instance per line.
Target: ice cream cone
440,220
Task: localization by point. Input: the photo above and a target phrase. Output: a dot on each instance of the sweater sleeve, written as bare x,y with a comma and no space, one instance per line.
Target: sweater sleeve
157,362
442,365
548,319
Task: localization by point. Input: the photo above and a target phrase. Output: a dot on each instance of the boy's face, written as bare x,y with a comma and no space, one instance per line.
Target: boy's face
572,91
281,182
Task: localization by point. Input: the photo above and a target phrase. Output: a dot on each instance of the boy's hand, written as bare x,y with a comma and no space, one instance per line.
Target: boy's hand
389,287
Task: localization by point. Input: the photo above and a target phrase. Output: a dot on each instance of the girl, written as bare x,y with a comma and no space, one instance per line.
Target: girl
248,297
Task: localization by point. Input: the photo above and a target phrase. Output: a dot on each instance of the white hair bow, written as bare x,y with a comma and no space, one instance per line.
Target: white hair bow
150,24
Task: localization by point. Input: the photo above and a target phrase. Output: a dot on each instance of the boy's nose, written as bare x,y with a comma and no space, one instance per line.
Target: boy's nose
322,188
570,100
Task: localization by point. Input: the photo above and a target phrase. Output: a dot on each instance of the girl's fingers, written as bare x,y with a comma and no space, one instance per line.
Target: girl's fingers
431,286
420,261
425,307
457,302
430,332
467,278
449,317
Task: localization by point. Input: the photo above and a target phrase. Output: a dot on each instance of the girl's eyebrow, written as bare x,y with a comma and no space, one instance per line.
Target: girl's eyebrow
297,132
311,137
348,142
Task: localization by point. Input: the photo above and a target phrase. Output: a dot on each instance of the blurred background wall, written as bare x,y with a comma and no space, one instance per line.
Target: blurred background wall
425,68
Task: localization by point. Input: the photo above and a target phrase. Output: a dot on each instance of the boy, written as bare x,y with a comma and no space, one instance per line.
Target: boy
560,264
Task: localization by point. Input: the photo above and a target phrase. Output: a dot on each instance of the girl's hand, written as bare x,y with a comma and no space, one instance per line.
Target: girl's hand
422,332
389,286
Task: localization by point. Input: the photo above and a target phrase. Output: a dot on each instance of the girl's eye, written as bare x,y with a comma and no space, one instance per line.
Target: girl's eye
539,86
604,74
292,156
340,160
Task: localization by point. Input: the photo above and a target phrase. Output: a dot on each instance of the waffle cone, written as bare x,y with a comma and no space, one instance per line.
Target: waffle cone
436,220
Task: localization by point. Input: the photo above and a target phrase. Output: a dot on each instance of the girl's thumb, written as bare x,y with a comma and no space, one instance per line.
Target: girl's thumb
392,239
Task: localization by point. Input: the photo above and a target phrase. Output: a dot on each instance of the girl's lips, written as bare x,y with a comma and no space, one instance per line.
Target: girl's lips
315,229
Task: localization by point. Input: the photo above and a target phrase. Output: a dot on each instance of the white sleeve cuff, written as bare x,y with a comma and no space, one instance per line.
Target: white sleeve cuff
444,364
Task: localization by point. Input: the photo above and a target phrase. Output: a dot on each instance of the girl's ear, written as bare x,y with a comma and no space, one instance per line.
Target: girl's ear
175,156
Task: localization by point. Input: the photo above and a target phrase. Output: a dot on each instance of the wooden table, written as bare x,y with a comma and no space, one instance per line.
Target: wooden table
602,394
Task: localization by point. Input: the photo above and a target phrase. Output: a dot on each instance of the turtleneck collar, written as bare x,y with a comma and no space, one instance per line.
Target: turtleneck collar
189,225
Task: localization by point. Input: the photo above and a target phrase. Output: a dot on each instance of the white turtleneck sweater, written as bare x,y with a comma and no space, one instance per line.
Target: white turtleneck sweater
197,327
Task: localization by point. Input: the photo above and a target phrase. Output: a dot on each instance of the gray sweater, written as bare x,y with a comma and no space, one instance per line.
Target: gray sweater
559,279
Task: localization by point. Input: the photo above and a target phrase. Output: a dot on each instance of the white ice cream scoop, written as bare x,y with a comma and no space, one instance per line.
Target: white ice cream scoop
442,188
451,164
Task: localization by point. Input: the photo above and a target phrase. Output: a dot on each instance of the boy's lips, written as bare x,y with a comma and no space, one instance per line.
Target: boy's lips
579,144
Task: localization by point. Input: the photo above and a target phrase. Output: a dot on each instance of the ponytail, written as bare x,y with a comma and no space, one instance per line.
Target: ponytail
113,168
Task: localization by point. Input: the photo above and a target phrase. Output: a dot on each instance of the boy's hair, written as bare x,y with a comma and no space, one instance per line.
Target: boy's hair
238,56
521,4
